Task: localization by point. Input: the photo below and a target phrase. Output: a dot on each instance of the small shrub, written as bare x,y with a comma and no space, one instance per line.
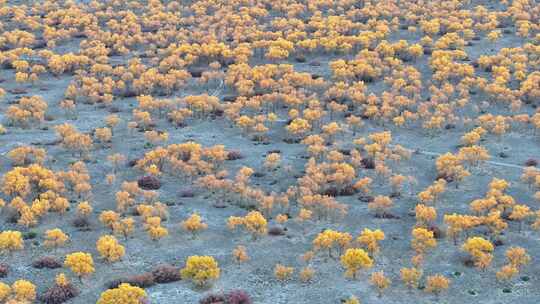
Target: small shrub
4,270
46,262
58,294
187,193
29,235
437,232
166,274
232,297
234,155
531,162
12,216
368,163
347,191
140,280
332,191
149,183
468,262
196,72
81,222
365,198
300,58
213,299
276,231
259,174
229,98
238,297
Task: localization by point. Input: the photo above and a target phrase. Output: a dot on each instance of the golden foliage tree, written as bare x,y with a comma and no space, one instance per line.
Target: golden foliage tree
123,294
200,269
353,260
80,263
109,248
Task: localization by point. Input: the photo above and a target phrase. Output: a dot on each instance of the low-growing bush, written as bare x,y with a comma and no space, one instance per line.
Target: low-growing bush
238,297
140,280
531,162
276,231
4,270
234,155
46,262
232,297
166,274
213,299
149,183
368,163
29,235
81,222
58,294
187,193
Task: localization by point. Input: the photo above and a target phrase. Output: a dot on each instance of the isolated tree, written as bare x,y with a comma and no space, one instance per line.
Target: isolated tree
55,238
84,209
11,241
381,205
370,240
116,160
282,272
124,227
380,281
282,218
423,240
480,250
104,135
520,213
240,254
425,215
306,274
410,277
517,257
458,223
80,263
354,260
108,218
154,228
254,222
329,240
449,167
506,273
109,248
200,269
23,291
272,161
352,300
123,294
5,291
26,155
436,284
194,224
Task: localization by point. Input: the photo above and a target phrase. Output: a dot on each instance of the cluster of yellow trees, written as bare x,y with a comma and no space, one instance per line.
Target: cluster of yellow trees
257,69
